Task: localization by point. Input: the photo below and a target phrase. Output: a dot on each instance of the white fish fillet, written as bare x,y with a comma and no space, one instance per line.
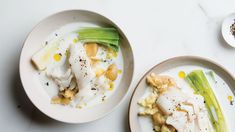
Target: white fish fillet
186,113
81,68
168,101
63,80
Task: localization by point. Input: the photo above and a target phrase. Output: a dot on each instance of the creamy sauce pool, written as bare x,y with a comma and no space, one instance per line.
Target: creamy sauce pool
52,89
222,91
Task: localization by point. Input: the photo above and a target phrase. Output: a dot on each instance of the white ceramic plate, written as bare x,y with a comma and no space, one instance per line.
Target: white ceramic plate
224,88
39,96
227,35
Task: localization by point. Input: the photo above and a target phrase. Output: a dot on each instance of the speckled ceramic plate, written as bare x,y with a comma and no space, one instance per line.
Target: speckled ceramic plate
38,95
224,88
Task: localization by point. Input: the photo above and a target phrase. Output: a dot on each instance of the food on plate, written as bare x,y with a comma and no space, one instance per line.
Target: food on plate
173,110
42,57
105,36
200,84
81,64
112,72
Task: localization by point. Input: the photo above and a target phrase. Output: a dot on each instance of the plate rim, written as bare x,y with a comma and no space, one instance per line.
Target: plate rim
165,61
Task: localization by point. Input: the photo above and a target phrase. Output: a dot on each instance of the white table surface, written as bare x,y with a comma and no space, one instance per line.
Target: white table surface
157,30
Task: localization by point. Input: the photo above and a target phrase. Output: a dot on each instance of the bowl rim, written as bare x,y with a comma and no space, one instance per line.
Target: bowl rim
120,31
168,60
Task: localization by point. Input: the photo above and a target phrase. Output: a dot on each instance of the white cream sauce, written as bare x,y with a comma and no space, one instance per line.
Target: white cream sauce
66,35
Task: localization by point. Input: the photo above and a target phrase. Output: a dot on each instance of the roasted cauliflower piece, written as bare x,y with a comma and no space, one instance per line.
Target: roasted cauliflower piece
160,83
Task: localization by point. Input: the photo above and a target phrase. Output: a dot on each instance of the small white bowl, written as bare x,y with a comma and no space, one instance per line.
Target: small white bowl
39,96
226,33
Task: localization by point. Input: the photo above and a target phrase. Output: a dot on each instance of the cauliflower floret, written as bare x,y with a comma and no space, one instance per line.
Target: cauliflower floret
160,83
149,105
148,101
